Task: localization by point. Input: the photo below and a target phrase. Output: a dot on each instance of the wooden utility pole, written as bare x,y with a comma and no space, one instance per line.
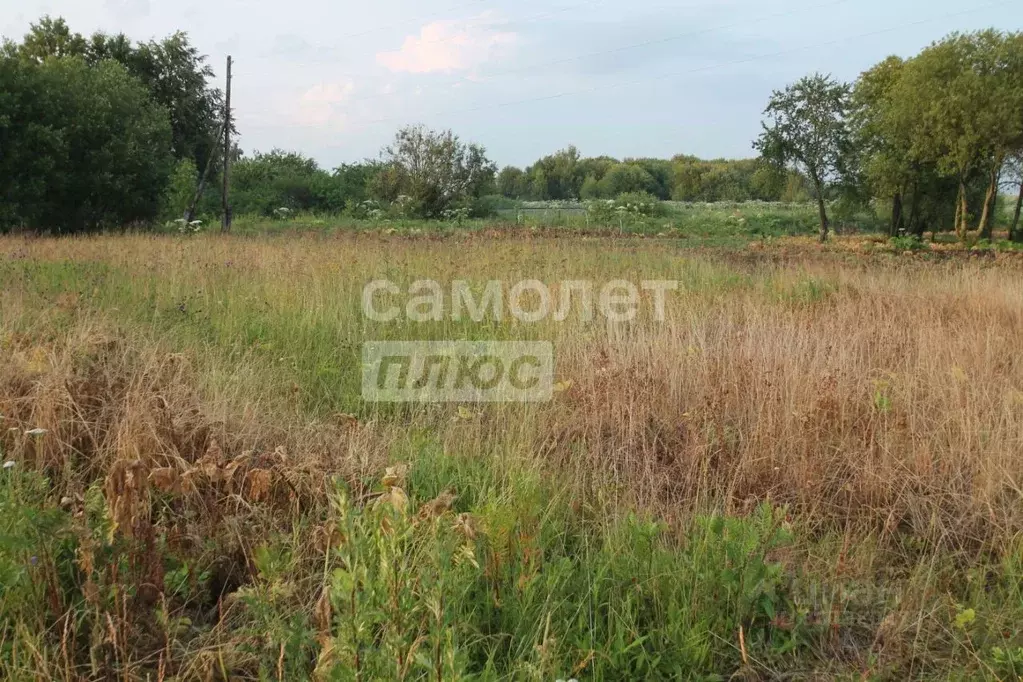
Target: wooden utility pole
226,225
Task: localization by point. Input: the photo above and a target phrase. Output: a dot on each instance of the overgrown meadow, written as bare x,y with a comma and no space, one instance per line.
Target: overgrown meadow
809,470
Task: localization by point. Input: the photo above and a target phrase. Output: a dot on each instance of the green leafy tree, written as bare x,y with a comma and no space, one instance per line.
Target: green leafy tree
624,178
512,183
882,139
83,147
595,167
966,95
353,181
556,177
51,38
435,170
265,183
807,131
663,173
590,188
695,179
177,75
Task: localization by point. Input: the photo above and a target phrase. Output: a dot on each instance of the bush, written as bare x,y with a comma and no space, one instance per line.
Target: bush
266,183
490,205
910,243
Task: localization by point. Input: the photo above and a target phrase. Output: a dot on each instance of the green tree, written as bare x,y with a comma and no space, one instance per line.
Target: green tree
177,75
511,182
663,173
590,188
180,189
966,95
51,38
264,183
435,170
594,167
624,178
557,176
883,138
808,132
353,181
83,147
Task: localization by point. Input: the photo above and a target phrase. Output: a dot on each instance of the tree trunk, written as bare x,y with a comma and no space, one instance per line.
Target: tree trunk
987,216
824,218
1015,233
916,226
897,224
962,211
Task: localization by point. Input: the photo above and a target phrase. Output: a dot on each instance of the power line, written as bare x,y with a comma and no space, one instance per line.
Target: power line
597,88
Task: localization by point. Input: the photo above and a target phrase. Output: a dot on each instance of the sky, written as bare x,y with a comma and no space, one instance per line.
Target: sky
623,78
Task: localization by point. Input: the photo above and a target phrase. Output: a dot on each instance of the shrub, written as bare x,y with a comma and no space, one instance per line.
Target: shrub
908,243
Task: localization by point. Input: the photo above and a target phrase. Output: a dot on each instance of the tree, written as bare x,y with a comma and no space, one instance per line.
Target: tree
966,95
435,170
353,180
263,183
176,74
1016,172
808,132
590,188
625,178
557,176
178,77
51,38
511,182
661,171
593,167
882,139
83,147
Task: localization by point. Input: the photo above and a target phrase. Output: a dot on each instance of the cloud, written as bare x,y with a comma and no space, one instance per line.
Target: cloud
450,45
318,106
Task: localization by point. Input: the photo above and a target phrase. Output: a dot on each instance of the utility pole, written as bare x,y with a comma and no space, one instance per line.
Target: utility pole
226,225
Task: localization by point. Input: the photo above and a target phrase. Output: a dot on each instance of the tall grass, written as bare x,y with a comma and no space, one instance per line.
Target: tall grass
809,469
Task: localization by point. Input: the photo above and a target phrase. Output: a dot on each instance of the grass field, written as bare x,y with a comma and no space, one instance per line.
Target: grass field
809,470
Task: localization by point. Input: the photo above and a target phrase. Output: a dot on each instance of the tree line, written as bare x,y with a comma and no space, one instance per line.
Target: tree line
102,132
937,136
566,175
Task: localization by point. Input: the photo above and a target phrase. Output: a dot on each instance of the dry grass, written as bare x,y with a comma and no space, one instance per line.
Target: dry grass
203,391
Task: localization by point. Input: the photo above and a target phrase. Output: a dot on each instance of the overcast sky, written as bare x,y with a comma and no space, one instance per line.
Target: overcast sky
525,77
